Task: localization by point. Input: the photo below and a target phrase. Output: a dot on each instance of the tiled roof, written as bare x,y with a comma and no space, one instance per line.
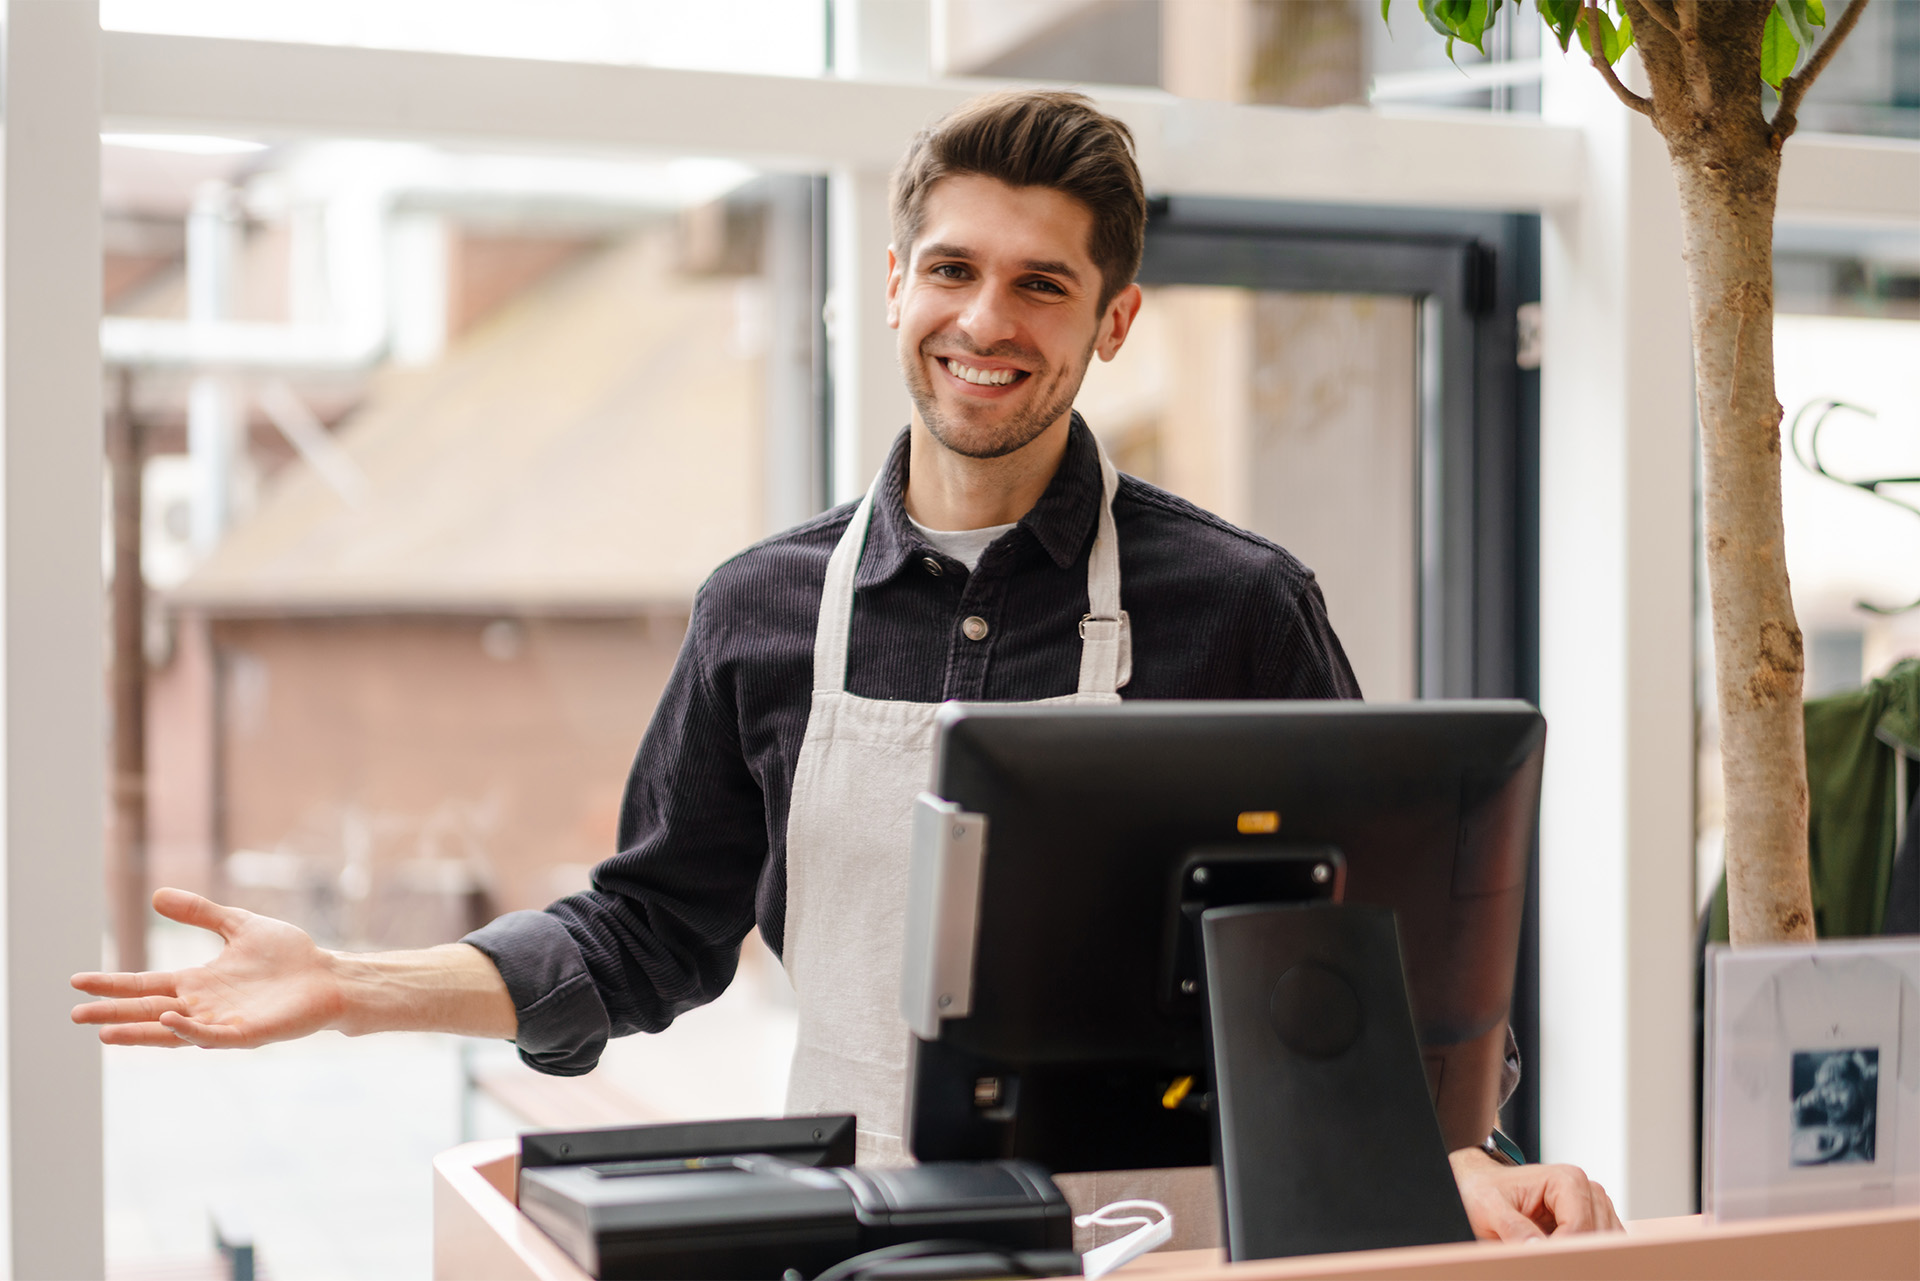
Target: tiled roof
596,445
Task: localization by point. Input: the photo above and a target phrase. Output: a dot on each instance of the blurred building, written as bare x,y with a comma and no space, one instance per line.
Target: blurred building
400,692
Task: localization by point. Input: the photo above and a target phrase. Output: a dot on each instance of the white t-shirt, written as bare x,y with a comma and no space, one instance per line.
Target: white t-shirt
1775,1006
964,545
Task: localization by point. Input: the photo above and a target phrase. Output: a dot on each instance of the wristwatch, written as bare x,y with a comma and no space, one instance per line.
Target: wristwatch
1503,1149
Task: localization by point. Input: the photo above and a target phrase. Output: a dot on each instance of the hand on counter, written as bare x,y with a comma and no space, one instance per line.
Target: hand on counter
271,983
1516,1202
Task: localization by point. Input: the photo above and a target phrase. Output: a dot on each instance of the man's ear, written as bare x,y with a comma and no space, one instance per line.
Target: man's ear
1118,322
895,268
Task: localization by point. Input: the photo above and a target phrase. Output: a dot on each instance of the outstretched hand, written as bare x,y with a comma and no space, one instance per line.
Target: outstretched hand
269,983
1517,1202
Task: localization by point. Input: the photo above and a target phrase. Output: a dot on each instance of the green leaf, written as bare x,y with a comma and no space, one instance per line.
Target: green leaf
1816,13
1588,17
1384,6
1561,17
1480,21
1794,14
1779,51
1458,20
1620,41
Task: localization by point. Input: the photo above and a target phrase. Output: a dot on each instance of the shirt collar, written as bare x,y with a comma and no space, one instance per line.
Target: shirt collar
1061,522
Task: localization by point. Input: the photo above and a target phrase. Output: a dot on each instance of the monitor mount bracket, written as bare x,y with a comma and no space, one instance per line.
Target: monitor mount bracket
1326,1137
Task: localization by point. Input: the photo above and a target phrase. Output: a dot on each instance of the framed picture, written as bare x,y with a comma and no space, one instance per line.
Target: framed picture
1812,1081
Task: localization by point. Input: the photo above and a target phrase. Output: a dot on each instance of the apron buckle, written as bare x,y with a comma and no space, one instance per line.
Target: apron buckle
1093,618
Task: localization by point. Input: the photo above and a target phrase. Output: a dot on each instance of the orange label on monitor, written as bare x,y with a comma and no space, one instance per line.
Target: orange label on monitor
1259,822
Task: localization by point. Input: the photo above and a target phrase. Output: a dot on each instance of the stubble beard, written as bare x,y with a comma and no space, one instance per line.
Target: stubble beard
1044,406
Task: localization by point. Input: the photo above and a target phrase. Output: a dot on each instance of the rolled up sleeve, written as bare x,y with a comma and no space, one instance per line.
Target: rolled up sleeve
563,1023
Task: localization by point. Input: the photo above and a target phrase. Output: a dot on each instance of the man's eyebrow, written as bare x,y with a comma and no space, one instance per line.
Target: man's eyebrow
1047,266
1051,267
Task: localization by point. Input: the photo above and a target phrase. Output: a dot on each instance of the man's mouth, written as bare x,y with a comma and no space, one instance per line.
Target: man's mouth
980,375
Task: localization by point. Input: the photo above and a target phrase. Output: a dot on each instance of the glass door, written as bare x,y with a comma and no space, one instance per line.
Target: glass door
1353,384
1294,415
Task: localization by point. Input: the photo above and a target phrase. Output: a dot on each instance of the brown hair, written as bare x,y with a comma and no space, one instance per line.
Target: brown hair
1035,138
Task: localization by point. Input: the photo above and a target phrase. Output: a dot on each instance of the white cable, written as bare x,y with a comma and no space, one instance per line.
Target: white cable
1150,1235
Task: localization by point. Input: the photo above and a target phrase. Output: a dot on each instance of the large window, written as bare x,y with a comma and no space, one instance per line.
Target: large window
422,455
1847,373
1294,415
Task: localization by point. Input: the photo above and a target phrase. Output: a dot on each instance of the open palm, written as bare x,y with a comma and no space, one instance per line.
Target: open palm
269,983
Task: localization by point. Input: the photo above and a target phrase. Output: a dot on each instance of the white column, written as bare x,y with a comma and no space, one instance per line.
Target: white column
420,263
872,40
883,39
870,403
790,479
216,413
52,751
1616,592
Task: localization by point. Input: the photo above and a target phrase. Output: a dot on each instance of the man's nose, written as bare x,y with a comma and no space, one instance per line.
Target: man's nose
989,317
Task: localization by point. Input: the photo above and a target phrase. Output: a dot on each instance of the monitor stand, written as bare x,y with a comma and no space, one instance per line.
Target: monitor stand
1326,1136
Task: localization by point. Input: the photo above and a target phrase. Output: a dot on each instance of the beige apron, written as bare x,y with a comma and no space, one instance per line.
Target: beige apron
848,830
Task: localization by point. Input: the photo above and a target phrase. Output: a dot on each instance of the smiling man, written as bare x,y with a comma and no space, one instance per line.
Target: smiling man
998,556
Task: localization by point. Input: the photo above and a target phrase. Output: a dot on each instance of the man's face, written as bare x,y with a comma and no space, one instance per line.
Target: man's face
1835,1091
998,312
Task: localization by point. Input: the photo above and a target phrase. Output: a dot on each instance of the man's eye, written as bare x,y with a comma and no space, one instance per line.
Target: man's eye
1045,286
950,270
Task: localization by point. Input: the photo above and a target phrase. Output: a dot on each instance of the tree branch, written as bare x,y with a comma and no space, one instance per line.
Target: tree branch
1794,88
1592,14
1656,9
1688,14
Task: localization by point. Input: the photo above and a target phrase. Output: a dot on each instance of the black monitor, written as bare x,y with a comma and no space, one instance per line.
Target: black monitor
1074,865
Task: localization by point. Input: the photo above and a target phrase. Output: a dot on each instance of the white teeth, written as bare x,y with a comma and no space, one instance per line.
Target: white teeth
984,377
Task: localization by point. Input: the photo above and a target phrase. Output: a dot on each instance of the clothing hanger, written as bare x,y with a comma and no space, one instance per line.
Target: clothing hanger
1809,458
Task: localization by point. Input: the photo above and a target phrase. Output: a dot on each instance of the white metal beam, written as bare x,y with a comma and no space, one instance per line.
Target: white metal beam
185,84
1826,178
52,753
192,84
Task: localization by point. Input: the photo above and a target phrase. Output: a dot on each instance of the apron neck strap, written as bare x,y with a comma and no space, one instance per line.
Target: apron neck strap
836,600
1102,631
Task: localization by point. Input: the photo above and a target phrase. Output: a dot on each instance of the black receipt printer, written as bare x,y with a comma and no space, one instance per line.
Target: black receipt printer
779,1198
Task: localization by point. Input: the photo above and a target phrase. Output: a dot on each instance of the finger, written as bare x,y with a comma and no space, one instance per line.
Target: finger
193,909
147,1034
142,1010
208,1036
1569,1195
1499,1221
1606,1218
150,983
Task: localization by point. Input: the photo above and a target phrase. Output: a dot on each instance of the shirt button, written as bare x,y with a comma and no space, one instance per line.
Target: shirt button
974,628
933,566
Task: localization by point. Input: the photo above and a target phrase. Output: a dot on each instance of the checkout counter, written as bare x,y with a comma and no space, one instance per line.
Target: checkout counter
479,1234
1362,964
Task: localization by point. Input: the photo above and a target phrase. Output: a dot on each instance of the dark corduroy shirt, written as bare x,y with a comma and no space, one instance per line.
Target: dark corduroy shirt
1216,612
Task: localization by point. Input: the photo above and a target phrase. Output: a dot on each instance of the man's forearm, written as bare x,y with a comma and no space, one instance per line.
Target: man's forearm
453,988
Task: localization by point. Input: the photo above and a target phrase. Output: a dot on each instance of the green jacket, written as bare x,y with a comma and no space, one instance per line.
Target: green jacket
1854,805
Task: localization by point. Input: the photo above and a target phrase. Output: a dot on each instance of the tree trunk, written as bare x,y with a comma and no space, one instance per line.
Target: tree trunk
1726,162
1757,646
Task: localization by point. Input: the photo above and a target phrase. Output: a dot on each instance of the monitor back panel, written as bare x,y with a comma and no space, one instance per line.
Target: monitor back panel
1092,815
